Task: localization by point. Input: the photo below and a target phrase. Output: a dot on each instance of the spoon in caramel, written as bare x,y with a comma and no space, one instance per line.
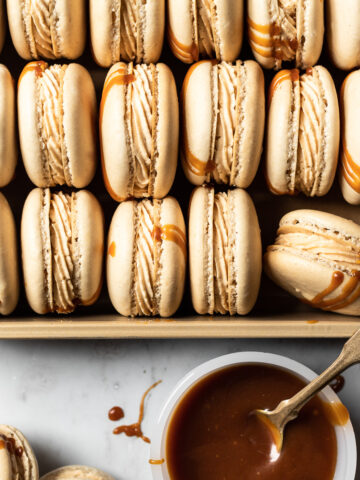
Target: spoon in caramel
287,410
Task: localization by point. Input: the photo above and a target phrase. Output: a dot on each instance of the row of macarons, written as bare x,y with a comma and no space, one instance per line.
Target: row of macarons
315,255
223,122
18,461
133,30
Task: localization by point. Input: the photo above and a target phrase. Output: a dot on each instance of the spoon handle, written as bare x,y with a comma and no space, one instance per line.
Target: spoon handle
349,355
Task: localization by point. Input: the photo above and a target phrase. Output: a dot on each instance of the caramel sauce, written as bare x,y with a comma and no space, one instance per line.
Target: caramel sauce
186,53
338,383
157,462
350,292
292,75
134,430
212,434
312,321
309,71
112,249
337,413
19,451
39,67
171,233
115,414
2,444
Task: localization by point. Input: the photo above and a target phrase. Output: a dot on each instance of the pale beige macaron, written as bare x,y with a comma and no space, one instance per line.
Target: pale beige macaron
17,460
316,258
302,133
350,139
8,149
343,32
47,28
224,251
76,472
146,257
286,31
128,30
57,117
139,130
223,106
62,241
9,273
205,29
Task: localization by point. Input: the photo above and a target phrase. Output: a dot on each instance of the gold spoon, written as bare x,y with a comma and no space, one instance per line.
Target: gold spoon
288,410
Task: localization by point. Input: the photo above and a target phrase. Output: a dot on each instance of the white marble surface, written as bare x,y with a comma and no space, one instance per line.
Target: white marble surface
59,393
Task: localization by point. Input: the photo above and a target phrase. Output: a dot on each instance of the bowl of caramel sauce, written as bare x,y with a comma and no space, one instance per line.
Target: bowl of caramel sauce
206,430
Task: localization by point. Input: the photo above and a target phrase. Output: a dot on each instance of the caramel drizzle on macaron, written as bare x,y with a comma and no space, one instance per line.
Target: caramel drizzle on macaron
171,233
349,169
38,67
350,292
185,53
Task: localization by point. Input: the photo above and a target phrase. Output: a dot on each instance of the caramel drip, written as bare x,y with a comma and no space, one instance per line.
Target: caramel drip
282,76
161,461
39,68
348,295
112,249
350,170
2,444
336,413
185,53
172,233
312,322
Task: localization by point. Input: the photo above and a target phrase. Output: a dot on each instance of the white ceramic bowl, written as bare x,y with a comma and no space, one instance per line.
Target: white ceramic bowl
346,444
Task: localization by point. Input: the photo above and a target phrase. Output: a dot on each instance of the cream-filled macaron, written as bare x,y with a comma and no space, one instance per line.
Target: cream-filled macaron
284,31
224,251
62,240
76,472
205,29
350,138
146,257
139,130
47,28
17,460
128,30
343,32
223,106
8,149
303,132
315,257
9,273
57,117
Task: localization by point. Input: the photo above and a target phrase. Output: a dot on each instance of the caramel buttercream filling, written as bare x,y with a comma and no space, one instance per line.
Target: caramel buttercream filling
129,19
206,29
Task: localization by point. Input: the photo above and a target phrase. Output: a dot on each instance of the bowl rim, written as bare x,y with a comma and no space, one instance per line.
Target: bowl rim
346,443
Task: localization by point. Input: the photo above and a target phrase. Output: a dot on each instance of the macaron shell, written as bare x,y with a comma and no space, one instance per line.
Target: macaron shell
198,116
167,132
71,27
29,129
101,31
79,110
229,28
9,274
350,169
343,32
76,472
115,158
182,30
89,223
32,248
154,25
17,28
172,258
310,32
119,258
8,150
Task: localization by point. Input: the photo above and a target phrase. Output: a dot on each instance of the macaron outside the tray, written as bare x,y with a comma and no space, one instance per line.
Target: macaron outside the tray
76,472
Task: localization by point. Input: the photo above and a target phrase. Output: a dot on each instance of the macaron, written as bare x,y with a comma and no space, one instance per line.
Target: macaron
139,130
146,257
17,460
57,115
76,472
286,31
8,149
316,258
205,29
47,28
128,30
62,242
223,107
302,133
9,273
350,141
224,251
343,32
